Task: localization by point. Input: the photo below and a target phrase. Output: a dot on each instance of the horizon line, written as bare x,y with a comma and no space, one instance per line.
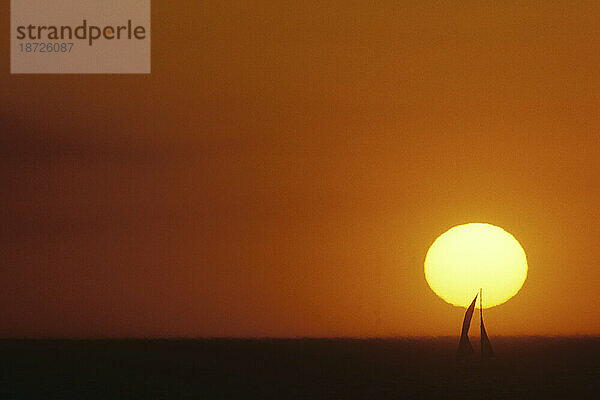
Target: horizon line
99,338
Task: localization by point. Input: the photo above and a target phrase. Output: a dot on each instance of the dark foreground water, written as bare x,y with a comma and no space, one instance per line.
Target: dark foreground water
563,368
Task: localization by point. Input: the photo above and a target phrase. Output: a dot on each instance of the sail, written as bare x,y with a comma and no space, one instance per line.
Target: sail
486,346
464,345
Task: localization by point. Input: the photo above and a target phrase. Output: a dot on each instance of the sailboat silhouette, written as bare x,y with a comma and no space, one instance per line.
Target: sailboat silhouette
465,349
486,346
464,345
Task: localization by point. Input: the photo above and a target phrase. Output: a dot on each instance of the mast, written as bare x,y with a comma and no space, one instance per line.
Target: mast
480,323
486,346
481,328
480,311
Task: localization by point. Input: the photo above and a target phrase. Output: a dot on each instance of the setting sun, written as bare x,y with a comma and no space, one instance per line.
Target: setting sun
472,256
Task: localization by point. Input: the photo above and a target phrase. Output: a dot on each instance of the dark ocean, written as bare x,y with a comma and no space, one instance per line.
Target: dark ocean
525,368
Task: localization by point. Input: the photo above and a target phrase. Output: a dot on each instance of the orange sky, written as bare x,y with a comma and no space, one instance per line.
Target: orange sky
285,168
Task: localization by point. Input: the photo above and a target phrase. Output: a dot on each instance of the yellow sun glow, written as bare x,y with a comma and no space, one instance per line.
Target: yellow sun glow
472,256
